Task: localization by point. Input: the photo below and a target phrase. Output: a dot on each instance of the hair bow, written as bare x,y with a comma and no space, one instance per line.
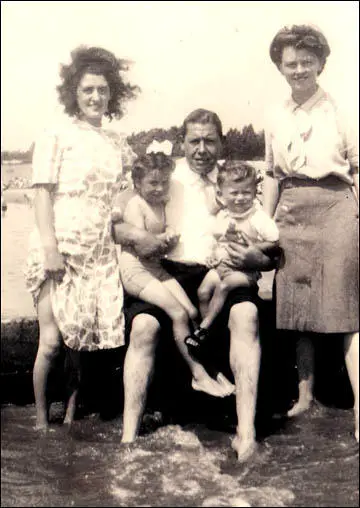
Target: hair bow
164,147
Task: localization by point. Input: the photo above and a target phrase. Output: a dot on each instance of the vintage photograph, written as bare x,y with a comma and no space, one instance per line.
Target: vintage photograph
179,253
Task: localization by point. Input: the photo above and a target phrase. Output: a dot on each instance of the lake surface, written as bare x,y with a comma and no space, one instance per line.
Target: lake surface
15,228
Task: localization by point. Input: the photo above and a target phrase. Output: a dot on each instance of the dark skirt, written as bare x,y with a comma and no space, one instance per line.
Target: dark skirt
317,282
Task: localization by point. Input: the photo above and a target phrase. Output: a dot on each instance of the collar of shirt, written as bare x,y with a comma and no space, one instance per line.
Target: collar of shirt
309,104
185,173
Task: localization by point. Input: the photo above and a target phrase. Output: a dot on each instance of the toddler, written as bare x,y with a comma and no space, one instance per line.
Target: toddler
241,220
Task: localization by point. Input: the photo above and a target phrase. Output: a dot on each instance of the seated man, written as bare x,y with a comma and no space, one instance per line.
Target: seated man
193,186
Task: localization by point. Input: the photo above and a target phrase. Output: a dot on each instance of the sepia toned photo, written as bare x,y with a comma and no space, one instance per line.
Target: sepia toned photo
179,253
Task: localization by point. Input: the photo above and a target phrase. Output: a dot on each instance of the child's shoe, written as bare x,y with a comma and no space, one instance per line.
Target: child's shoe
196,340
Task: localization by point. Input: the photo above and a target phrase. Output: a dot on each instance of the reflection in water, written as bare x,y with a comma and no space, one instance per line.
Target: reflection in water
309,461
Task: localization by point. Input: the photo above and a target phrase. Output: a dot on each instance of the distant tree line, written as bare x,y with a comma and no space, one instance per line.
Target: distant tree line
245,143
19,155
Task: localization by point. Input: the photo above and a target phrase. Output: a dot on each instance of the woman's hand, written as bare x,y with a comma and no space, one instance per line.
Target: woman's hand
54,264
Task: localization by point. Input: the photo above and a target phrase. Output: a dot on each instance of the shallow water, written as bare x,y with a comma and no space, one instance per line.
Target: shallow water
15,229
309,461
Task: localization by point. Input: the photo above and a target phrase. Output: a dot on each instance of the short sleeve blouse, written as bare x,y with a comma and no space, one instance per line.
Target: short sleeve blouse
64,155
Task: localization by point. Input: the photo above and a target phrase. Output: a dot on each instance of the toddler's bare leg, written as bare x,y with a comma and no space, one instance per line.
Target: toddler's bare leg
178,292
222,289
206,290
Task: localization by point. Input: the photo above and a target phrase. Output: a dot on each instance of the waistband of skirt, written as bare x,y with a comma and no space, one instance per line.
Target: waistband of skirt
330,181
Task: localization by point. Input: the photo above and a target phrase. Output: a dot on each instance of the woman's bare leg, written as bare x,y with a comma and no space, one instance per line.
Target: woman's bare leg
74,373
305,367
49,347
351,346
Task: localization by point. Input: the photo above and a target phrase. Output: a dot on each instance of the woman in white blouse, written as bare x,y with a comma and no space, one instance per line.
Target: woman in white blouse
312,189
78,168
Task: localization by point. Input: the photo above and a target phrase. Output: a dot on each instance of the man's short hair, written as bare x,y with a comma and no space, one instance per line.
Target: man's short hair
202,116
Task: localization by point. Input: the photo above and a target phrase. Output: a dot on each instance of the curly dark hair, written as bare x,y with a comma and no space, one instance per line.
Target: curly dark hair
95,60
144,164
236,170
300,37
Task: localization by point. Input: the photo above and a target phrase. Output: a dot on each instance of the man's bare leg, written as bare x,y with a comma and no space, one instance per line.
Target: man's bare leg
245,356
158,294
305,367
351,346
138,371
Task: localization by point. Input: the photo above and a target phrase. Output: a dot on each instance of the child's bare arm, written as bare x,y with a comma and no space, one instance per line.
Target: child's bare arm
130,232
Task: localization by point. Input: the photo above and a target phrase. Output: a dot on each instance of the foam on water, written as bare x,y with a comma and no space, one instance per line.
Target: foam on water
309,461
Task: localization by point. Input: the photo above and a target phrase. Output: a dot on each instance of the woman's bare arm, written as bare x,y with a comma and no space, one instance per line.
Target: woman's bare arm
44,218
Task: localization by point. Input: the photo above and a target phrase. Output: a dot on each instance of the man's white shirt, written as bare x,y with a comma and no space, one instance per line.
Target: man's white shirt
187,213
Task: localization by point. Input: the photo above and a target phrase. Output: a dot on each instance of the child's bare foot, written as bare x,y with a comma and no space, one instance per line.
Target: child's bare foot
300,407
208,385
226,383
244,447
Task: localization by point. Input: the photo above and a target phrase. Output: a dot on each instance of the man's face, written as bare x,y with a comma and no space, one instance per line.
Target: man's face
202,147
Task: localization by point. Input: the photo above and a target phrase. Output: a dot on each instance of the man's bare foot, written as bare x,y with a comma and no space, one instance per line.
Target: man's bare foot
243,447
127,440
300,407
230,388
210,386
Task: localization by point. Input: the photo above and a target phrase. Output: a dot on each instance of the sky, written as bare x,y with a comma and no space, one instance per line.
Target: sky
184,55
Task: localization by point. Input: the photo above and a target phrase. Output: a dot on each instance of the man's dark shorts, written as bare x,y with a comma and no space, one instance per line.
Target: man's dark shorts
190,278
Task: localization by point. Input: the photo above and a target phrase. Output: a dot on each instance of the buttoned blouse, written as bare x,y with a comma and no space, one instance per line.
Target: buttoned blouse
312,140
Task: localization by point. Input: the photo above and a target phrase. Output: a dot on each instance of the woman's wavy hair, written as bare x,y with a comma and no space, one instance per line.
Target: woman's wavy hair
144,164
300,37
99,61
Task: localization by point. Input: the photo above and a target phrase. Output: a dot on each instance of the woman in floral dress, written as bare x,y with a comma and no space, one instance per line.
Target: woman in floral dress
78,168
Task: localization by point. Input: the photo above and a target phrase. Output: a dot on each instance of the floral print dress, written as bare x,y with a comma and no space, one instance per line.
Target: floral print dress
85,165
